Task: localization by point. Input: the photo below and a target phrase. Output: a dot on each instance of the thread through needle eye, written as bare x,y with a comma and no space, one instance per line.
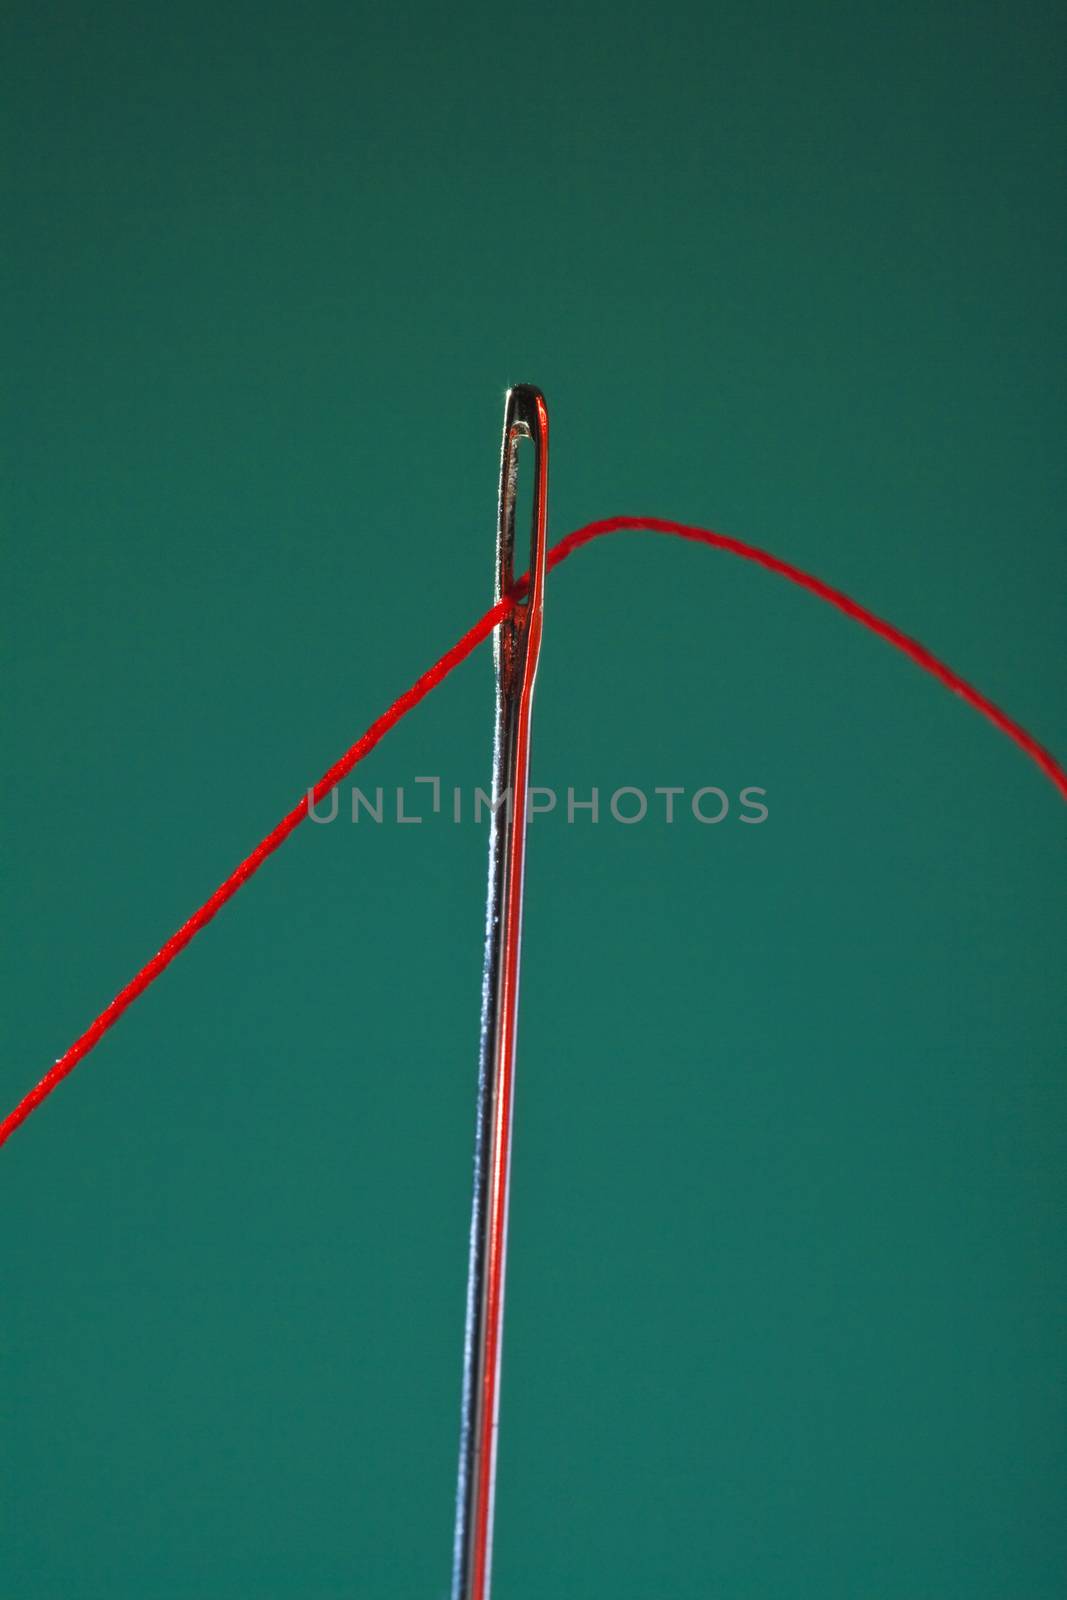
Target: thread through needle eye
517,647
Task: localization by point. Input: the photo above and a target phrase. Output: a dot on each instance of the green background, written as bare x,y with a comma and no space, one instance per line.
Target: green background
787,1279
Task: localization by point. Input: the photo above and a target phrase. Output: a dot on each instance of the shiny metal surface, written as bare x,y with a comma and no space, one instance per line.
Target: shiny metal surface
517,646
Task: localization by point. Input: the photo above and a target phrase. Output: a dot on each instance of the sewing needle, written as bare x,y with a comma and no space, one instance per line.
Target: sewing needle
517,645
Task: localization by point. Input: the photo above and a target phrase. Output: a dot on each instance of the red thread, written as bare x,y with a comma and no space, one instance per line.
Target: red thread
430,679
